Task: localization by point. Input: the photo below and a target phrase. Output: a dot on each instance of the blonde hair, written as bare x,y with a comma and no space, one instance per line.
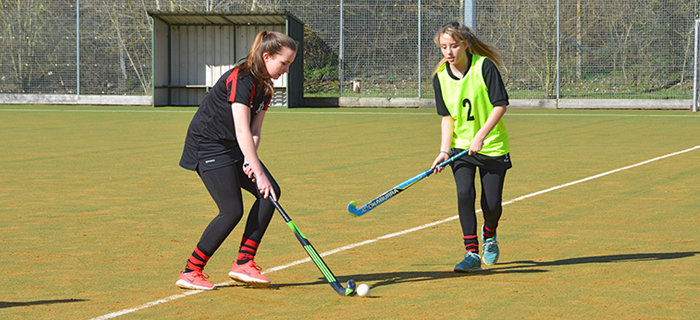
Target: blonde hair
270,42
460,32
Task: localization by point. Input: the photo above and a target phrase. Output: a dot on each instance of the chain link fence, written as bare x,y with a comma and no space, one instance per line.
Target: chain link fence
621,49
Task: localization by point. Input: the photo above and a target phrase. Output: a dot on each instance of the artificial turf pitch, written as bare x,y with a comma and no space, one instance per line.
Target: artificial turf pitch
97,217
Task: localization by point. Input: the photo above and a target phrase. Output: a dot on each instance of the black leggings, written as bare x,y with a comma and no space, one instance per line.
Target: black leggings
492,180
224,186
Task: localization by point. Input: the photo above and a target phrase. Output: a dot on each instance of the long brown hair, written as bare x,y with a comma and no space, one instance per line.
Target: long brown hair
460,32
270,42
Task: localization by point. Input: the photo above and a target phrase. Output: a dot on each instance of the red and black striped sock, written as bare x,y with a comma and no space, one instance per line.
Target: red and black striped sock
197,261
247,250
471,244
488,232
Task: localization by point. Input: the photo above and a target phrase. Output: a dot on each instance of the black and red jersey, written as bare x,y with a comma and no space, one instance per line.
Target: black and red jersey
211,137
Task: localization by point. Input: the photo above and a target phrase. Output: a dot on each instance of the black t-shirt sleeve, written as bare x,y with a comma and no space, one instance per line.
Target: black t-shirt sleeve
242,91
439,102
497,90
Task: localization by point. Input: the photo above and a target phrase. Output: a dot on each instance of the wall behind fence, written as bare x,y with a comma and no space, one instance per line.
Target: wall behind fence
607,49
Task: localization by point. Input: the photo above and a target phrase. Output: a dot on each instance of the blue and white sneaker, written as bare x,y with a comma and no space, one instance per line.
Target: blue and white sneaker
490,249
471,263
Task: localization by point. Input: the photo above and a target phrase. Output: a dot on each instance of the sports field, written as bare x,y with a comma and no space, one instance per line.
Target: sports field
600,218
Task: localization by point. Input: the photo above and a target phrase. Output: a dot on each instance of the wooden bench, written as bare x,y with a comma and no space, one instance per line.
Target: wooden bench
212,74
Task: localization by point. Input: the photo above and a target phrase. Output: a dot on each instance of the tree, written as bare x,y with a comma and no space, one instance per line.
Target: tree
36,42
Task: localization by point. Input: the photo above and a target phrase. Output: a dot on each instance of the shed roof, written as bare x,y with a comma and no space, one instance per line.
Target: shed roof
222,17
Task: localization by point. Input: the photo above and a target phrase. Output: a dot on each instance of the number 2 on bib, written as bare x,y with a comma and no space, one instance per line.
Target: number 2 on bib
466,102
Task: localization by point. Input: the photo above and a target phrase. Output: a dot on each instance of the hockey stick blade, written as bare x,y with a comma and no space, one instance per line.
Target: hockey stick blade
357,212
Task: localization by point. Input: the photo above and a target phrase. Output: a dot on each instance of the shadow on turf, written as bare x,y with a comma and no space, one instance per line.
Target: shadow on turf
6,304
523,266
599,259
390,278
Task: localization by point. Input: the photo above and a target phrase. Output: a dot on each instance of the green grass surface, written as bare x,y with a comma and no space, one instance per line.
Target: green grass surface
97,217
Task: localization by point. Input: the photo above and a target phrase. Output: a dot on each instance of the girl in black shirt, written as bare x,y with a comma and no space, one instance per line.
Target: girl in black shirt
221,146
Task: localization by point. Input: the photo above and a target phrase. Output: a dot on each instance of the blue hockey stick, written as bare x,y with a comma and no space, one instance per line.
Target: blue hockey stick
352,206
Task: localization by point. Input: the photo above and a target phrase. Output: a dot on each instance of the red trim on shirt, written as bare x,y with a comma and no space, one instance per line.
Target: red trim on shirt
231,83
252,95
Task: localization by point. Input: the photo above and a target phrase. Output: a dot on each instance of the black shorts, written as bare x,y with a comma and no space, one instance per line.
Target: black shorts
500,163
205,161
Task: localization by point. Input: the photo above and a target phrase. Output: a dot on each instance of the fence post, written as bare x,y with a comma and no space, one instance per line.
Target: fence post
340,51
558,54
695,67
77,46
420,43
470,14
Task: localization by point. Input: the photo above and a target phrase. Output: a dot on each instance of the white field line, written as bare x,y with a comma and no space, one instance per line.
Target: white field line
391,235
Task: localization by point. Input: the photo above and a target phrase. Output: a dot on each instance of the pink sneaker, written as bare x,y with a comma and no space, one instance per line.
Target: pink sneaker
196,280
249,273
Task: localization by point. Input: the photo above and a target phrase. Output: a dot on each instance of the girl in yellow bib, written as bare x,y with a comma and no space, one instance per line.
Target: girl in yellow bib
471,98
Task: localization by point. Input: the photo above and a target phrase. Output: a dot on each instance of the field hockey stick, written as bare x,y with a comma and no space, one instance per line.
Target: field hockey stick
313,254
352,206
315,257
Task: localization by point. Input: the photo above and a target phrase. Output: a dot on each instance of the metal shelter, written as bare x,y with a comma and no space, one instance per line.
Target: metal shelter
191,50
